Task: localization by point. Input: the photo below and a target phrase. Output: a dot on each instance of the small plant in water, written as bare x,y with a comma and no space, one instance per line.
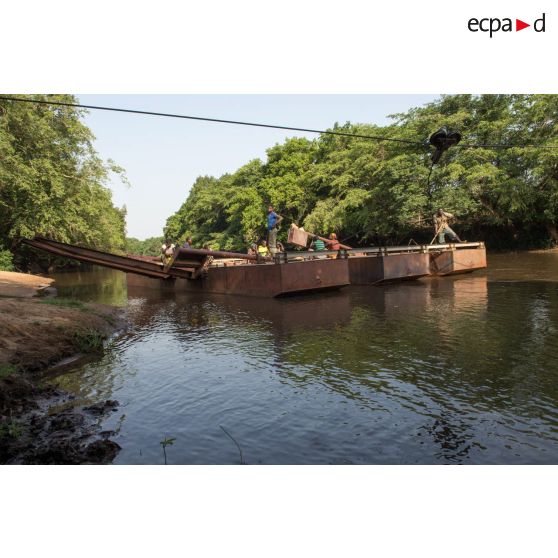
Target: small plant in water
166,442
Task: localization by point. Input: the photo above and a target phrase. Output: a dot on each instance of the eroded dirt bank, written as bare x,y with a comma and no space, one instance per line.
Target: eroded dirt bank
35,333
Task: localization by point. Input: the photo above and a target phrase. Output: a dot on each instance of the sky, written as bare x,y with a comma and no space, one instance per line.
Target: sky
163,157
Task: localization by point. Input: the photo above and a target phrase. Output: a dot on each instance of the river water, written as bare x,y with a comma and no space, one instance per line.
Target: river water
453,370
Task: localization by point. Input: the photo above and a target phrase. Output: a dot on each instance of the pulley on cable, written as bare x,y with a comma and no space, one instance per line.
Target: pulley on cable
442,140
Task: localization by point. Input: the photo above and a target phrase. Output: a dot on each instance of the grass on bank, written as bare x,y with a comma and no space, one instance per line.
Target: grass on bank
64,302
78,305
7,370
88,341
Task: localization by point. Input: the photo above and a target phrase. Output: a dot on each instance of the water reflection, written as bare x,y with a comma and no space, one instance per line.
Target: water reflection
97,284
454,370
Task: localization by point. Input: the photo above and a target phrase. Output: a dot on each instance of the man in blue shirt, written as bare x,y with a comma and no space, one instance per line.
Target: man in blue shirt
272,221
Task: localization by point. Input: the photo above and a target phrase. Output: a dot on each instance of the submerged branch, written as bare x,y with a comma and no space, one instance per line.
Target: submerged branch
242,462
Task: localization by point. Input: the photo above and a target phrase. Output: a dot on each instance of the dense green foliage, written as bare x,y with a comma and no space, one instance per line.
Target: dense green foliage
148,247
6,260
378,192
52,182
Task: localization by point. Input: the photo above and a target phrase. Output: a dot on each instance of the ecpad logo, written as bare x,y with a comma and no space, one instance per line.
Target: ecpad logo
493,25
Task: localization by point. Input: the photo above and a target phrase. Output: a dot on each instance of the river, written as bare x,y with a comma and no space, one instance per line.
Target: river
452,370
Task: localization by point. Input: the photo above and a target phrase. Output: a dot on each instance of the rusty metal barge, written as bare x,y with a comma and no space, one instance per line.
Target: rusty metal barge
213,271
288,273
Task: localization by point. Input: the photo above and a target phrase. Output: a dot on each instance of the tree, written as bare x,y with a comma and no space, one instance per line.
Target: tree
386,192
148,247
52,182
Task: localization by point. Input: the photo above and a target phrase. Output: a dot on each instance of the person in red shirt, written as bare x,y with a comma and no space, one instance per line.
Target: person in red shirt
333,243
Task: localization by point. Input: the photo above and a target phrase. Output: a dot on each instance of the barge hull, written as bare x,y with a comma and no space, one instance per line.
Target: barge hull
370,270
453,262
265,280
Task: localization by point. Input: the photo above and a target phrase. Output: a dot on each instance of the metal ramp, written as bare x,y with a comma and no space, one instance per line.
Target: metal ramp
123,263
199,260
185,263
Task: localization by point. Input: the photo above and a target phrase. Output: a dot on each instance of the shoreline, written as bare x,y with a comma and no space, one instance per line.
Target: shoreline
38,424
14,284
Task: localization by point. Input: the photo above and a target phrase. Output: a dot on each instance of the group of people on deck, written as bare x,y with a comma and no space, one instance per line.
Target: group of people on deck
269,247
441,224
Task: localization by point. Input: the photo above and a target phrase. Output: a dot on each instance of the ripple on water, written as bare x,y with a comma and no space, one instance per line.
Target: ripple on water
462,370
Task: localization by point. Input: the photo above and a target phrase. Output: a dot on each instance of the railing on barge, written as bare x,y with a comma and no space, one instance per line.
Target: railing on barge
385,250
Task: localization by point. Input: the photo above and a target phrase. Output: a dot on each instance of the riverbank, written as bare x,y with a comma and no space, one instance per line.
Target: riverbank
22,284
36,333
39,424
545,251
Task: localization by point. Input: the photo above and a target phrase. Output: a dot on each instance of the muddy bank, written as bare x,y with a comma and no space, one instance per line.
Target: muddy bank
39,424
545,251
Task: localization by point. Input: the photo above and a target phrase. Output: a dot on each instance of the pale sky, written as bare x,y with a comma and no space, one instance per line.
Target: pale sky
163,156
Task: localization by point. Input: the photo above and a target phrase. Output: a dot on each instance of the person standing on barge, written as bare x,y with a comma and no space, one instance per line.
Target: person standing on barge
273,220
441,222
167,251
